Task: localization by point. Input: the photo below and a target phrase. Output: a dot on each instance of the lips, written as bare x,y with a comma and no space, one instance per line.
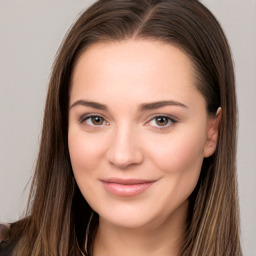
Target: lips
126,187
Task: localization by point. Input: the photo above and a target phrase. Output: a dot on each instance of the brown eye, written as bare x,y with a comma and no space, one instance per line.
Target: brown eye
96,120
162,120
93,120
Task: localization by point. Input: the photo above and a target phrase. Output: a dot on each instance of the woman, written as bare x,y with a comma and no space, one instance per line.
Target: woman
133,158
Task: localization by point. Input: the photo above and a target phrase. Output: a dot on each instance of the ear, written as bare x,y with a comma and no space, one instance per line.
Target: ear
212,133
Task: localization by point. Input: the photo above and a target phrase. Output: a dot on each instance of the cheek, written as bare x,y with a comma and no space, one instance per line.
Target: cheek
85,154
179,153
180,160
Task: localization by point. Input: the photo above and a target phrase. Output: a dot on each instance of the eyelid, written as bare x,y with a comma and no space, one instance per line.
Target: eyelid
84,117
170,117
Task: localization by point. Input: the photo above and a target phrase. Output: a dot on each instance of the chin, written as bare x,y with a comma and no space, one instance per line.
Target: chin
128,221
133,217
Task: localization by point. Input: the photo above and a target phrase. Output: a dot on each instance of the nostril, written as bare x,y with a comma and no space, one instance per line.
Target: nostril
123,160
123,156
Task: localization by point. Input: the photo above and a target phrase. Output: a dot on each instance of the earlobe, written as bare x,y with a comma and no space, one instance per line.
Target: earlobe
212,133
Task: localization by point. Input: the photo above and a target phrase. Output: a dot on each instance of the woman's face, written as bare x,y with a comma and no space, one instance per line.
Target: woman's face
138,131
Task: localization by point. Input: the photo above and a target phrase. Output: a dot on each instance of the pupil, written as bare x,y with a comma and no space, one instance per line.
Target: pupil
162,120
97,120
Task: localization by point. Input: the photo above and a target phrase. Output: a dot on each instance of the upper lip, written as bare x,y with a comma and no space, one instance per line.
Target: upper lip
127,181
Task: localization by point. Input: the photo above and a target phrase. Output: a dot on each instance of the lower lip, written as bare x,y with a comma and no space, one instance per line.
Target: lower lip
126,190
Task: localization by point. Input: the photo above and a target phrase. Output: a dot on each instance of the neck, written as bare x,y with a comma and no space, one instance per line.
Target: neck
154,239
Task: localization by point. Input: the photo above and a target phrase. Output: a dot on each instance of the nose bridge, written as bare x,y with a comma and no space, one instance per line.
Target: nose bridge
124,149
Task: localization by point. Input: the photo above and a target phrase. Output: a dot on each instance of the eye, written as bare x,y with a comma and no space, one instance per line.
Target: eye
162,122
93,120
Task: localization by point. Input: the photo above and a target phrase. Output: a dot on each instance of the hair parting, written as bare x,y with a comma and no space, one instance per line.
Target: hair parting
58,215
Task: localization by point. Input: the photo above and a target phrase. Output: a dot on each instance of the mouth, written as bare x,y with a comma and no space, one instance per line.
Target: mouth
126,187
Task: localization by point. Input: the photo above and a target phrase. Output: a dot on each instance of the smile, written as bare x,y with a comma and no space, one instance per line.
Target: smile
126,188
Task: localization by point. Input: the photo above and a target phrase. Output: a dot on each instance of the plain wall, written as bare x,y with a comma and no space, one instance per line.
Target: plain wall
30,34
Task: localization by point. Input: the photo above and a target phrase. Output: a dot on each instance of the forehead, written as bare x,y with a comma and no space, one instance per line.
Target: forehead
133,69
120,54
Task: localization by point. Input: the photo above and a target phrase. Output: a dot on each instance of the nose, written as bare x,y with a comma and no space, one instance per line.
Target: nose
124,150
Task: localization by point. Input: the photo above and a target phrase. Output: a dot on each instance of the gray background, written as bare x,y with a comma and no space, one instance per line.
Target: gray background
30,33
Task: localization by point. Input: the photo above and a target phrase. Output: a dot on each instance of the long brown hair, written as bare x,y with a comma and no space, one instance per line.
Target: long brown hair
58,215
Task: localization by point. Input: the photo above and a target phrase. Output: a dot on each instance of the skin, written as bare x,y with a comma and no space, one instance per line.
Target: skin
127,142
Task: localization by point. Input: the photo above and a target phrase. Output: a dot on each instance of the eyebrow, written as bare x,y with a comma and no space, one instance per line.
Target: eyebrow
143,107
159,104
89,104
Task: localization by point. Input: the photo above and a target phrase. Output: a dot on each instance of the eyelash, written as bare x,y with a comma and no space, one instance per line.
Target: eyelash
87,117
171,121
